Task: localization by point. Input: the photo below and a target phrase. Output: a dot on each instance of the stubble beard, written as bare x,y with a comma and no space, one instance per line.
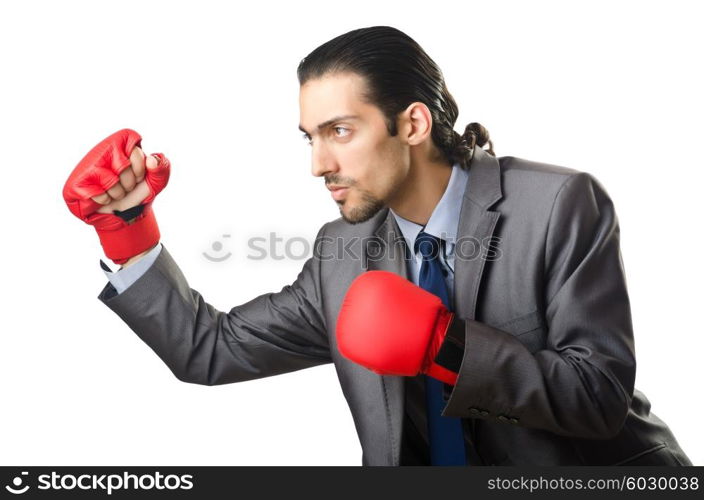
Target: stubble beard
368,208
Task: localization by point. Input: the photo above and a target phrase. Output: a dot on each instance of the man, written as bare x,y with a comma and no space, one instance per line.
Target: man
475,307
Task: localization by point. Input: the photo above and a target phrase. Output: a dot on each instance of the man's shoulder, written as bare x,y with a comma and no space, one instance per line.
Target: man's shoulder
513,166
536,179
536,191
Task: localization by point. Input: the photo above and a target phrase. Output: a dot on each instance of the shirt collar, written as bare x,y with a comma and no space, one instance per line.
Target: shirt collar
445,218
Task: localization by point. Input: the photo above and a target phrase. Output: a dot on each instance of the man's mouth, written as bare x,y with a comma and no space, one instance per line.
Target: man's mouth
338,192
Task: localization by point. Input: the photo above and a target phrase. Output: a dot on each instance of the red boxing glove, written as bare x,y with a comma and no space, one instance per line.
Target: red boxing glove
100,170
393,327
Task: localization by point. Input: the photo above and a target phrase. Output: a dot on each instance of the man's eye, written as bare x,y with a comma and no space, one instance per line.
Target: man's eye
341,128
308,139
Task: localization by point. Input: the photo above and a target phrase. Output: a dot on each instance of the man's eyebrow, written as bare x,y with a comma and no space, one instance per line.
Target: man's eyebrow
329,122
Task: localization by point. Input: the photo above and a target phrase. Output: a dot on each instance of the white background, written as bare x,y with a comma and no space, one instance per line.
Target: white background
613,88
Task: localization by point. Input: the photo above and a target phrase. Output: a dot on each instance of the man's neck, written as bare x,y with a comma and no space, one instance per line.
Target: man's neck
421,191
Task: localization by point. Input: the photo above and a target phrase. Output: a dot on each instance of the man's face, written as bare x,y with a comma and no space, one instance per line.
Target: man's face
363,166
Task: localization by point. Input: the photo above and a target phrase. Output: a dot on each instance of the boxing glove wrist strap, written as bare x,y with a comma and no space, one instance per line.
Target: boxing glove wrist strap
132,239
448,361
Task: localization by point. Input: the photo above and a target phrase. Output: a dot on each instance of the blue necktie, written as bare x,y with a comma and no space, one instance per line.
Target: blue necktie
444,433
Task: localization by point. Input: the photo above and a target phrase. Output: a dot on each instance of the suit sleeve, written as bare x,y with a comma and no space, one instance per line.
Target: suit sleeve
272,334
581,384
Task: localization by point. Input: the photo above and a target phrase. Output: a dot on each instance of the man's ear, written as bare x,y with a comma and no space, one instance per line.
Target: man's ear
416,123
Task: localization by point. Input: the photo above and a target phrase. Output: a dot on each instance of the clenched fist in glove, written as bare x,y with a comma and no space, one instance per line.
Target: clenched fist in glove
393,327
112,189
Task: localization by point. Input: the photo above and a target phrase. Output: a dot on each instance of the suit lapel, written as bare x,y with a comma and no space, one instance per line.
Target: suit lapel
386,251
476,227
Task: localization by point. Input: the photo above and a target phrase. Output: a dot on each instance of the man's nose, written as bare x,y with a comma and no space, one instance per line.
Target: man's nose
322,162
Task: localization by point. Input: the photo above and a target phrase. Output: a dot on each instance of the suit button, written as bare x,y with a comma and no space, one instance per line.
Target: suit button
502,418
483,413
513,420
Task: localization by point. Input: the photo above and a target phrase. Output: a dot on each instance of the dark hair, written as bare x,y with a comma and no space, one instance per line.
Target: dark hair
398,72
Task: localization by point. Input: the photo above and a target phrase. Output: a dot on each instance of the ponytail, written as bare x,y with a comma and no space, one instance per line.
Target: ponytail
462,147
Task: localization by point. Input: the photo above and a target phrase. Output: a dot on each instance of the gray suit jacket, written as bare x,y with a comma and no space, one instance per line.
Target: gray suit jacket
548,363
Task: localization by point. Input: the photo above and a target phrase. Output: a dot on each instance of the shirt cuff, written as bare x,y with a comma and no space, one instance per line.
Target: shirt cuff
124,277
